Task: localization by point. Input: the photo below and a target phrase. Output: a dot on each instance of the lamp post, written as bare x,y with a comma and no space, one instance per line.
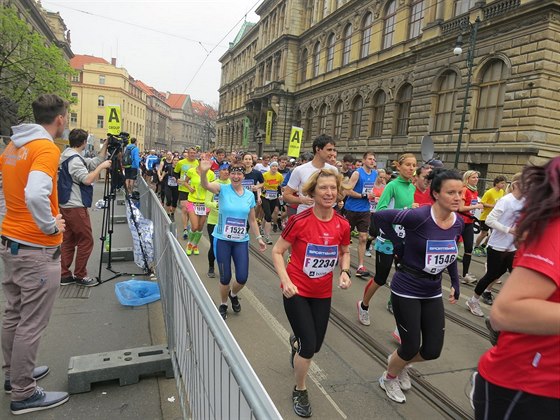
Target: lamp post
470,61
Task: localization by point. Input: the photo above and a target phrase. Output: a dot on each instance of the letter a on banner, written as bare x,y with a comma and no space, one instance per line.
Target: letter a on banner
113,113
268,136
296,137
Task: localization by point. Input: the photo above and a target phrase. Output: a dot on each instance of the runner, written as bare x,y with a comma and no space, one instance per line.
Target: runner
272,182
236,208
181,168
398,194
169,184
430,247
518,378
488,200
319,239
470,204
378,187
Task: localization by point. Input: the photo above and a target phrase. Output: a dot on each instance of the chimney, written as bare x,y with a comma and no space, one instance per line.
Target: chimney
114,61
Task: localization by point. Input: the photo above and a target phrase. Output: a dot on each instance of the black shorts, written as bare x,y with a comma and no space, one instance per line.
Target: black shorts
130,173
358,219
484,226
183,195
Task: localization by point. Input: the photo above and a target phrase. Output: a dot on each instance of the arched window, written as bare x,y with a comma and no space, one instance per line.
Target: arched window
445,109
404,100
357,107
323,119
389,24
338,112
366,35
416,18
308,124
492,94
346,44
304,59
298,118
378,113
316,59
330,52
101,100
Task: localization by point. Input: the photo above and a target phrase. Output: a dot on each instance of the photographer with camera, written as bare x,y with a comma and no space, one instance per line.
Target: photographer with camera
75,194
131,163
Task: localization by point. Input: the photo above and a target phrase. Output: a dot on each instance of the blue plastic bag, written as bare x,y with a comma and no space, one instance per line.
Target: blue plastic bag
137,292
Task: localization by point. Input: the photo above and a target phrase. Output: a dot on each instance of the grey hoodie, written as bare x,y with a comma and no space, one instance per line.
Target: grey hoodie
79,172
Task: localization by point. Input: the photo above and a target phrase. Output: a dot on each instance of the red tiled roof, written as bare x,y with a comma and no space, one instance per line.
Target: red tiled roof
77,62
203,109
147,89
176,100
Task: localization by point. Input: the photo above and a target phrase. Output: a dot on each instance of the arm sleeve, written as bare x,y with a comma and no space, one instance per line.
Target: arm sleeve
37,192
495,214
385,198
385,220
293,181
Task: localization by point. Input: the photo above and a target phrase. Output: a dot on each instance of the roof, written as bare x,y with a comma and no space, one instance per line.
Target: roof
176,100
244,29
77,62
200,108
147,89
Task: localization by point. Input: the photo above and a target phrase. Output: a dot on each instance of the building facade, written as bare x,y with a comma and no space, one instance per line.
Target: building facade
158,118
382,75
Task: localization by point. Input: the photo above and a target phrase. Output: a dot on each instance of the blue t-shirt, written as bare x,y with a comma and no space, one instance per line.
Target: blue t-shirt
363,186
151,162
233,214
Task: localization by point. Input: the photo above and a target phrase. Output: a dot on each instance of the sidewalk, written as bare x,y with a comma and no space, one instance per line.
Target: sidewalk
91,320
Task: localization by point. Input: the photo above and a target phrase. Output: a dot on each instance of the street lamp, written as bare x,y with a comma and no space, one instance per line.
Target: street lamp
458,50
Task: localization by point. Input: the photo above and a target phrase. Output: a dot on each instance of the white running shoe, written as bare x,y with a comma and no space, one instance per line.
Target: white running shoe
468,279
404,377
367,253
474,307
363,315
392,388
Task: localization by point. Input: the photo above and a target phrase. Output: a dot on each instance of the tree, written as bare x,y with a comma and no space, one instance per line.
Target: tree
28,68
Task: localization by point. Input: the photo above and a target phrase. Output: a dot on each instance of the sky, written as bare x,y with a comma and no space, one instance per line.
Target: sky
163,43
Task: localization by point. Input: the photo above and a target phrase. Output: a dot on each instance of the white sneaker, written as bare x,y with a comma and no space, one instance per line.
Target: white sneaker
367,253
474,307
363,315
404,377
392,388
468,279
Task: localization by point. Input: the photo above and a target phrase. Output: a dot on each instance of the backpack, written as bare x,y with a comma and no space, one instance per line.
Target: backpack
127,156
65,182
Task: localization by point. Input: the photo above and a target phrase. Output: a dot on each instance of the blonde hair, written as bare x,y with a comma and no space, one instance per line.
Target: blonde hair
468,174
402,158
516,179
308,188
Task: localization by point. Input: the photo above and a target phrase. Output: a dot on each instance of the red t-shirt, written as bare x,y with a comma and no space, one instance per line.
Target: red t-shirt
470,198
530,363
315,251
423,198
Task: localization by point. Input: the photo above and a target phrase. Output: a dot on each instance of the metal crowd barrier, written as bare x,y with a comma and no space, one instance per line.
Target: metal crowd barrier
214,379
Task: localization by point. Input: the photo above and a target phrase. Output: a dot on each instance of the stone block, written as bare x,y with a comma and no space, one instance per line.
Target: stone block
125,365
118,254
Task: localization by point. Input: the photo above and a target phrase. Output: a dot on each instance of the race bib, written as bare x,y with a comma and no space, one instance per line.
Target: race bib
320,260
200,209
474,202
439,255
367,188
247,184
372,206
172,181
271,195
235,228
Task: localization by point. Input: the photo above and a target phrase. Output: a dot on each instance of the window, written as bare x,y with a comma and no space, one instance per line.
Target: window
316,59
330,52
366,35
337,132
492,94
101,79
463,6
303,69
100,121
76,77
73,118
403,109
416,18
357,106
308,125
378,113
346,44
445,109
390,21
323,119
101,100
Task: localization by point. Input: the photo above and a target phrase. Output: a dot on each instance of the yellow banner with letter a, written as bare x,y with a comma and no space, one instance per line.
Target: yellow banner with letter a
296,137
113,113
268,136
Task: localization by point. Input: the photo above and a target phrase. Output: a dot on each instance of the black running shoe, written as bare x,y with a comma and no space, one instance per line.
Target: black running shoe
274,227
222,309
211,273
301,403
235,305
487,298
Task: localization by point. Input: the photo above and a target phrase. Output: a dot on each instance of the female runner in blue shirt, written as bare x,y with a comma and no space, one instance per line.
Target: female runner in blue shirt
236,205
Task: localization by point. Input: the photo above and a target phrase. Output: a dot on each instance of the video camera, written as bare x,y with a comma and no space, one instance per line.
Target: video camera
117,142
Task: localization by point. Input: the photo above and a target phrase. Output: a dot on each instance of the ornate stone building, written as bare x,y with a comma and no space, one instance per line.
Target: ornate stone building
381,75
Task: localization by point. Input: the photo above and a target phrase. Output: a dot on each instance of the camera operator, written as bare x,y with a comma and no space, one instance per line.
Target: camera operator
84,172
131,169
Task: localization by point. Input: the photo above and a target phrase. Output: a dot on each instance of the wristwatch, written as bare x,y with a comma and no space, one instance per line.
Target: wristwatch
345,270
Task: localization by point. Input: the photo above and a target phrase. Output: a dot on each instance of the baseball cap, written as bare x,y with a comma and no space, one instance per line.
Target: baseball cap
273,163
224,167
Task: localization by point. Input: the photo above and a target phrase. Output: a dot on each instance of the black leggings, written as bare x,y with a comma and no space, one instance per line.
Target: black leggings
268,207
373,231
211,256
308,318
468,241
498,262
171,195
382,267
495,402
421,324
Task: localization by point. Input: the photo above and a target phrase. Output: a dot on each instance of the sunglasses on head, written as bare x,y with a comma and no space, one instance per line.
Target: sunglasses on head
237,169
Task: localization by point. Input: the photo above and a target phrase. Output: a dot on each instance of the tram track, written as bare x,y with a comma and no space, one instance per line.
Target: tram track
378,352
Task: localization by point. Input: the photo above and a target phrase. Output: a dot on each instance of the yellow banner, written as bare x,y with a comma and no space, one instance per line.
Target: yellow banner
268,127
113,113
296,136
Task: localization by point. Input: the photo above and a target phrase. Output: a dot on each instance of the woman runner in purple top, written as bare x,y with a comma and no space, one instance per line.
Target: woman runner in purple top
431,246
